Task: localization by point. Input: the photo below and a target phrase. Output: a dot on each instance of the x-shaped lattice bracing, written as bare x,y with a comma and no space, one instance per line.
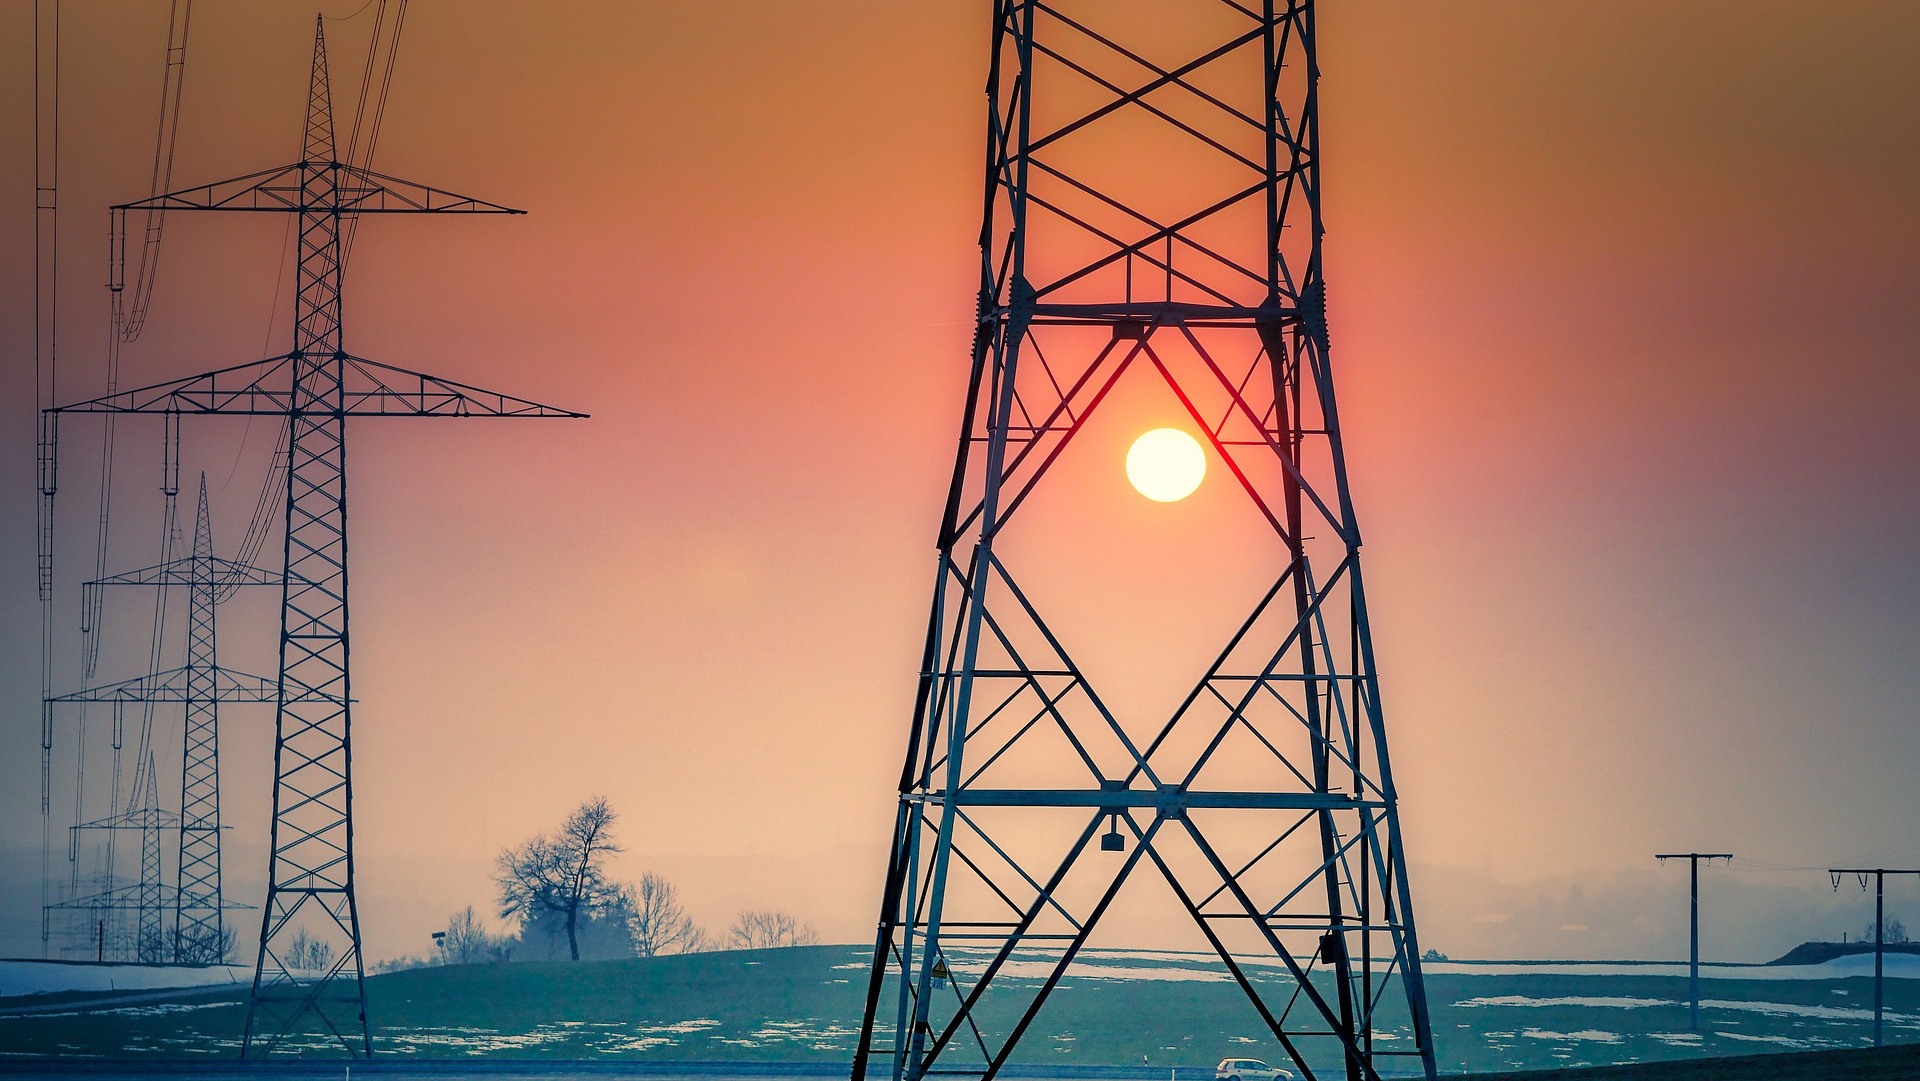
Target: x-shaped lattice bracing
1047,414
963,1018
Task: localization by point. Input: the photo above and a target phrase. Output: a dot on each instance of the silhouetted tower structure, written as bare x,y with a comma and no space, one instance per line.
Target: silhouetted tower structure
1693,938
199,930
1153,207
315,1000
199,905
184,924
1879,876
142,814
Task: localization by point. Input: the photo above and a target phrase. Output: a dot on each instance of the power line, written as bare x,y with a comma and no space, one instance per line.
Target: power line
46,279
166,139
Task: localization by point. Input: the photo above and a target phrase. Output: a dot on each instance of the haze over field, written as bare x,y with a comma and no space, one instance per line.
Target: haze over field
1622,314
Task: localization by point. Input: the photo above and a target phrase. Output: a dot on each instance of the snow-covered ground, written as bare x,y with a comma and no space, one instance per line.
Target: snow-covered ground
1171,966
1898,966
49,977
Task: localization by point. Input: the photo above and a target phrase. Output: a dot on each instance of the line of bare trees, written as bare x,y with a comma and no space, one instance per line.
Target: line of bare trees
557,891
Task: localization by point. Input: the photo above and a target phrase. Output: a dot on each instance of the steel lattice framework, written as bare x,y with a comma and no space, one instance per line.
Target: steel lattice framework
1152,209
308,991
200,685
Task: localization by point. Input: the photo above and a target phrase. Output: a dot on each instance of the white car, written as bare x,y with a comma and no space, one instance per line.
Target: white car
1249,1069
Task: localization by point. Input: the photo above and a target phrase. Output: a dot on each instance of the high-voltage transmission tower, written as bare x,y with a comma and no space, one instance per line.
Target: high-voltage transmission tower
196,903
315,1000
1152,212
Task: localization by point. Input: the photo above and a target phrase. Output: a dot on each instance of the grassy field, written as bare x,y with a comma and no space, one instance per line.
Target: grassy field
802,1005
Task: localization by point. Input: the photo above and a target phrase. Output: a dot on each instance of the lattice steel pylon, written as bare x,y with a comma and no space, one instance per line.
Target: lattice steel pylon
199,905
196,901
308,991
1153,210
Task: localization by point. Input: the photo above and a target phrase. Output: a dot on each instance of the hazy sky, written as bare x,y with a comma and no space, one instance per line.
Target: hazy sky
1623,312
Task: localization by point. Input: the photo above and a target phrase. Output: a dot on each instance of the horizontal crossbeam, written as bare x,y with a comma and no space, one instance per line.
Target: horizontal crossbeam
1164,799
182,572
355,191
171,686
1165,312
127,899
368,389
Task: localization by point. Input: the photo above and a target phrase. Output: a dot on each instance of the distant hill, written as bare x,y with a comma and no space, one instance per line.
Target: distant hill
1814,953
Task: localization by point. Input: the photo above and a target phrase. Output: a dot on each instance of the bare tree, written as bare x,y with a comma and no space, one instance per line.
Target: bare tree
763,930
660,924
1896,932
564,874
307,954
203,949
465,940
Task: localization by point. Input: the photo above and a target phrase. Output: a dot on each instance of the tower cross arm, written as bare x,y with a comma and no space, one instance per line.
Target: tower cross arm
229,685
368,388
284,189
363,191
182,572
277,188
259,387
371,388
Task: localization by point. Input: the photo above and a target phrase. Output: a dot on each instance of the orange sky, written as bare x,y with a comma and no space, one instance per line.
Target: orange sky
1622,311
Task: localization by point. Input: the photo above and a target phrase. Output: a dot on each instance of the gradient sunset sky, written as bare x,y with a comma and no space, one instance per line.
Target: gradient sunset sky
1624,303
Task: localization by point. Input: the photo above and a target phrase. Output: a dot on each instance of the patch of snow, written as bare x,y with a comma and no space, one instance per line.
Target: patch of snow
52,977
1597,1001
1593,1035
157,1010
698,1024
1679,1039
1898,966
1792,1009
1783,1040
632,1043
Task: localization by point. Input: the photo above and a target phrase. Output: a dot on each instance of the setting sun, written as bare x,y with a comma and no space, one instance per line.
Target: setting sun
1166,465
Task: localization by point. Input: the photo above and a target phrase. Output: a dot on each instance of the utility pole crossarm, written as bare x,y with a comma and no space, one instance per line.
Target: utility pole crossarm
180,572
171,686
119,899
368,389
1693,855
359,191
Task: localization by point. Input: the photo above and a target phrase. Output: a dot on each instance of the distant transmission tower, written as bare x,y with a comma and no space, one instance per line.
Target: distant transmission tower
197,934
1155,215
313,998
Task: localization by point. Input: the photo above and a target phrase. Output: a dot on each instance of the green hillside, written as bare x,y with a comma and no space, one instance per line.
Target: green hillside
802,1006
